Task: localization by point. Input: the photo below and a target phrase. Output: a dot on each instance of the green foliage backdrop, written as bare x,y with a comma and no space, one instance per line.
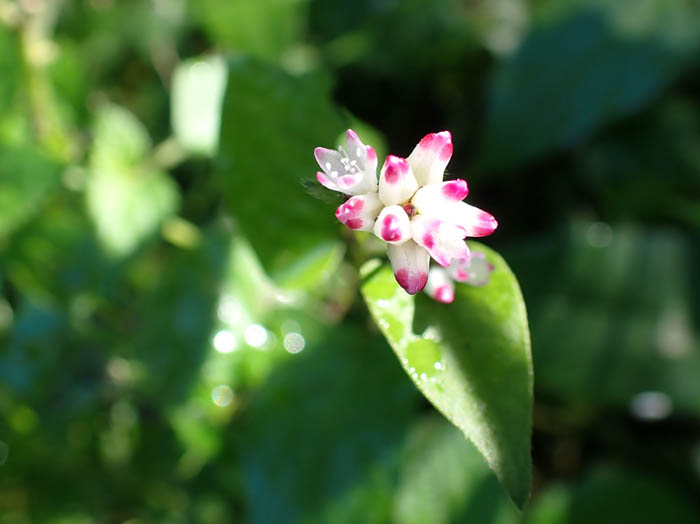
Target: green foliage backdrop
187,334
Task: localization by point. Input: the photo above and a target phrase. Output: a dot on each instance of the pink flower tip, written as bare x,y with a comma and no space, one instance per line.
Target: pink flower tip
444,294
318,154
455,189
487,225
395,168
411,282
351,135
391,230
349,212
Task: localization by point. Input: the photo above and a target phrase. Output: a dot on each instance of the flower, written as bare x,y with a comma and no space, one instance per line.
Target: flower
474,270
352,170
411,209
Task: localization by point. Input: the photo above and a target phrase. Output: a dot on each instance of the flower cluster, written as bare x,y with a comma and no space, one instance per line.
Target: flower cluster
411,209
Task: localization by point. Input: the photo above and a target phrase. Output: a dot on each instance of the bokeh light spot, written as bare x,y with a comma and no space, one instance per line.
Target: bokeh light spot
294,342
256,335
651,405
599,234
222,395
224,341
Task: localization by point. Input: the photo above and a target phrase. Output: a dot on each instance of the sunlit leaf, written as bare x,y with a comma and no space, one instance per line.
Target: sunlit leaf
196,118
271,124
265,28
472,362
127,198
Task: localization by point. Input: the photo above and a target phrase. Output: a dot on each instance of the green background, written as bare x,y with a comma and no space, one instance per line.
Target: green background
182,337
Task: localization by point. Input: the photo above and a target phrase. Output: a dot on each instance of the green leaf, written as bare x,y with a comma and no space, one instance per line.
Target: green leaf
54,256
622,299
444,481
127,198
26,177
271,123
472,362
195,118
10,68
336,459
265,28
651,170
583,68
610,495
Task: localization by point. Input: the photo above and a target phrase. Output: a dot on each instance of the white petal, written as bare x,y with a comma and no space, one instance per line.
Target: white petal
359,212
431,198
475,222
393,225
355,148
353,172
396,181
329,161
326,182
430,157
371,168
443,240
440,286
410,264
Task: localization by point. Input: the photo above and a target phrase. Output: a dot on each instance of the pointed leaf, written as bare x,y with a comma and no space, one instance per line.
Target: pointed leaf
472,361
271,123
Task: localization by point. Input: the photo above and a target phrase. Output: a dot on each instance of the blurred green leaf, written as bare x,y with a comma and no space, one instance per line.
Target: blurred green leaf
331,456
271,124
649,169
196,119
590,64
26,178
611,495
10,68
55,256
444,481
472,362
612,315
176,314
127,198
264,28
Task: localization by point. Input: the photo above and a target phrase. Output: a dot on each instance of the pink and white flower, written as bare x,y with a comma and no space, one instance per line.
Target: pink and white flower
475,270
351,170
412,209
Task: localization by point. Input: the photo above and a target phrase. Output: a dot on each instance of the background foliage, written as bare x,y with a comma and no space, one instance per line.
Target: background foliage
181,334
